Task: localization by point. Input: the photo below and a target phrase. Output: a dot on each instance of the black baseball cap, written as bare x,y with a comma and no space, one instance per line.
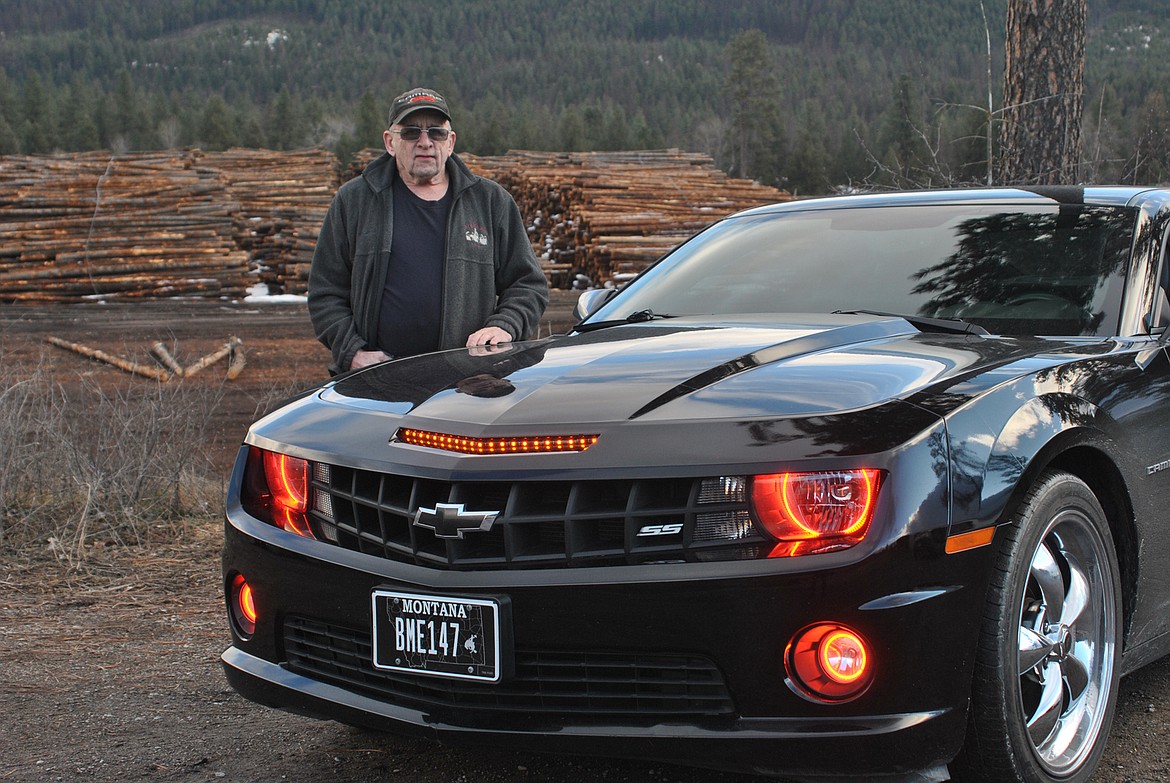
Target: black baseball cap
415,100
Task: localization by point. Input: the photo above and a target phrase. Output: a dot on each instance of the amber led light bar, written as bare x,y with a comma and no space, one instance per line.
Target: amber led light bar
539,444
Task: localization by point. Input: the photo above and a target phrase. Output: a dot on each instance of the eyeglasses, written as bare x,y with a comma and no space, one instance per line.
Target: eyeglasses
414,133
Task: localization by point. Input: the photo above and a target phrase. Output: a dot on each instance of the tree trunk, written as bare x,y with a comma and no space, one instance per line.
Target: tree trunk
1044,74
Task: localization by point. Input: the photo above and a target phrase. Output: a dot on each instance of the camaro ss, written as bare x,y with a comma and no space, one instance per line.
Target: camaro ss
861,486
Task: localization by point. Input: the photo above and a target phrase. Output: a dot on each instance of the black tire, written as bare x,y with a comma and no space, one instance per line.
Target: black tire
1048,663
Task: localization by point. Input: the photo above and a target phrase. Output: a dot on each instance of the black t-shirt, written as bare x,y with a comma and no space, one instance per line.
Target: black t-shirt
412,299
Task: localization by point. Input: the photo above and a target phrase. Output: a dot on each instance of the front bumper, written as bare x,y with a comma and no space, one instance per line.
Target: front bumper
742,744
919,614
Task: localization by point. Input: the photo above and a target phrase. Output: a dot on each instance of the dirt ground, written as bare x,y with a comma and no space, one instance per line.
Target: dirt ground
110,672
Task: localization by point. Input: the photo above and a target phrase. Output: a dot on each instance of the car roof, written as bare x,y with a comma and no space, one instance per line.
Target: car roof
1114,196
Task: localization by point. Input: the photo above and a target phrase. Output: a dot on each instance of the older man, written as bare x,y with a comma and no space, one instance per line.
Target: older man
419,254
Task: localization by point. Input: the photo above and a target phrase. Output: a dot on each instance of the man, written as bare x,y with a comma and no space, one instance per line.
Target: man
418,254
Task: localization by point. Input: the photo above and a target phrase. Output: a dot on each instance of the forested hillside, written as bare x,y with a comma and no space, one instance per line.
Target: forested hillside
840,91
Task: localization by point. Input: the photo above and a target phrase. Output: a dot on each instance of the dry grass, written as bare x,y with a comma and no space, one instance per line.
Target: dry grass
81,464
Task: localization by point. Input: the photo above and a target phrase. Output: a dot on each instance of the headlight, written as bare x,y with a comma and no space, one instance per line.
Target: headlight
276,489
809,513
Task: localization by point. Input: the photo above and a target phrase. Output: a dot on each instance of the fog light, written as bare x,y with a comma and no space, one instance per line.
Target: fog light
242,604
828,662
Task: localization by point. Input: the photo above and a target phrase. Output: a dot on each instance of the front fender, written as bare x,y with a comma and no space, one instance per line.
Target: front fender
995,444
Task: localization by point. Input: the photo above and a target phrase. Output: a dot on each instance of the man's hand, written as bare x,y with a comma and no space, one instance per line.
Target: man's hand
489,335
366,358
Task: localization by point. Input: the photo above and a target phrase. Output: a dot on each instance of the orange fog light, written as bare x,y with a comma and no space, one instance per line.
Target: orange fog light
828,662
243,606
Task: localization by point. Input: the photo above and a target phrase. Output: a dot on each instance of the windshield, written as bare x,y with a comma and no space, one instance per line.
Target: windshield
1047,269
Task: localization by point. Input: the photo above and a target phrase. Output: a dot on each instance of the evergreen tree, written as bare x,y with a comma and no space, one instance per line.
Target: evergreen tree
251,131
615,129
370,120
808,165
1151,161
754,89
642,135
967,153
571,130
11,116
38,132
905,157
483,129
129,117
9,141
216,130
78,129
284,123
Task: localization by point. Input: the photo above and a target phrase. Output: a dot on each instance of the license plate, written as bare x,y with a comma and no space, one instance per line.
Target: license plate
441,636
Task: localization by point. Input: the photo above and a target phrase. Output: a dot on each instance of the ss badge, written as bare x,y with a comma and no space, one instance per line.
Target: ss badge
661,530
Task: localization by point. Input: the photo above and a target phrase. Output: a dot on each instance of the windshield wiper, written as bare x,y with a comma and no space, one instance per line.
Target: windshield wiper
641,316
923,323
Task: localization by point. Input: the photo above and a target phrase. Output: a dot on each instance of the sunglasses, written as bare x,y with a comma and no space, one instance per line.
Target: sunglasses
414,133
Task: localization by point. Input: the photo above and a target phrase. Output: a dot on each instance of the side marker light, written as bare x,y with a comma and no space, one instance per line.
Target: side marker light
970,540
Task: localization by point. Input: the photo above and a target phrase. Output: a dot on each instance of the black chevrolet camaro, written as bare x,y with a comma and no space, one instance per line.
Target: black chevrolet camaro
872,485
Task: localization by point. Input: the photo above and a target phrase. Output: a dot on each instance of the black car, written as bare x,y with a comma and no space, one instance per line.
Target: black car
870,485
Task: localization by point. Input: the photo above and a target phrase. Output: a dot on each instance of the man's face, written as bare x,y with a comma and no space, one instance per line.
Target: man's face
422,160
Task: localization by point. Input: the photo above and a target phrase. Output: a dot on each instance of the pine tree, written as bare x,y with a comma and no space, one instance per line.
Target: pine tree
216,131
1151,162
754,90
284,123
38,132
11,115
905,157
370,120
78,129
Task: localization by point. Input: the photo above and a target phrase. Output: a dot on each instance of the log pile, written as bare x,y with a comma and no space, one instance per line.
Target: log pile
213,224
283,198
95,225
177,223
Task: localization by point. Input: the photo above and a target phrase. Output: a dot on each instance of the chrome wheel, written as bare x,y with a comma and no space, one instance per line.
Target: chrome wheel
1066,642
1046,668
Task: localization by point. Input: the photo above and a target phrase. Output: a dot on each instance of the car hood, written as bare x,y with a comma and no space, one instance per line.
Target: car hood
677,370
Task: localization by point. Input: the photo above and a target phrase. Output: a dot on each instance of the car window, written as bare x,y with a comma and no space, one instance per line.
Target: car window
1035,270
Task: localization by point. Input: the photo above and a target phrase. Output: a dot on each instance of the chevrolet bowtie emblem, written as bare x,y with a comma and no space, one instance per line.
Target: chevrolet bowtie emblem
452,520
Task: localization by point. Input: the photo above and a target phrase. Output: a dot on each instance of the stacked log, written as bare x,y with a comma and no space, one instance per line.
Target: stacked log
179,223
214,224
283,198
96,225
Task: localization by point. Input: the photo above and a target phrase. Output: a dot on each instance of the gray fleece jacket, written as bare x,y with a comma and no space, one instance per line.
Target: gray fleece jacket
490,278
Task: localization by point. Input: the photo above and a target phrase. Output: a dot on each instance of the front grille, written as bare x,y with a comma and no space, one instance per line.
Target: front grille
539,524
576,686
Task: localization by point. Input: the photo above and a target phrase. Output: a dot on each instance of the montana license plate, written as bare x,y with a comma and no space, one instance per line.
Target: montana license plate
442,636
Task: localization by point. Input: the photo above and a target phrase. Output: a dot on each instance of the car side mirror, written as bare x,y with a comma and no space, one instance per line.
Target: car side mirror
591,301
